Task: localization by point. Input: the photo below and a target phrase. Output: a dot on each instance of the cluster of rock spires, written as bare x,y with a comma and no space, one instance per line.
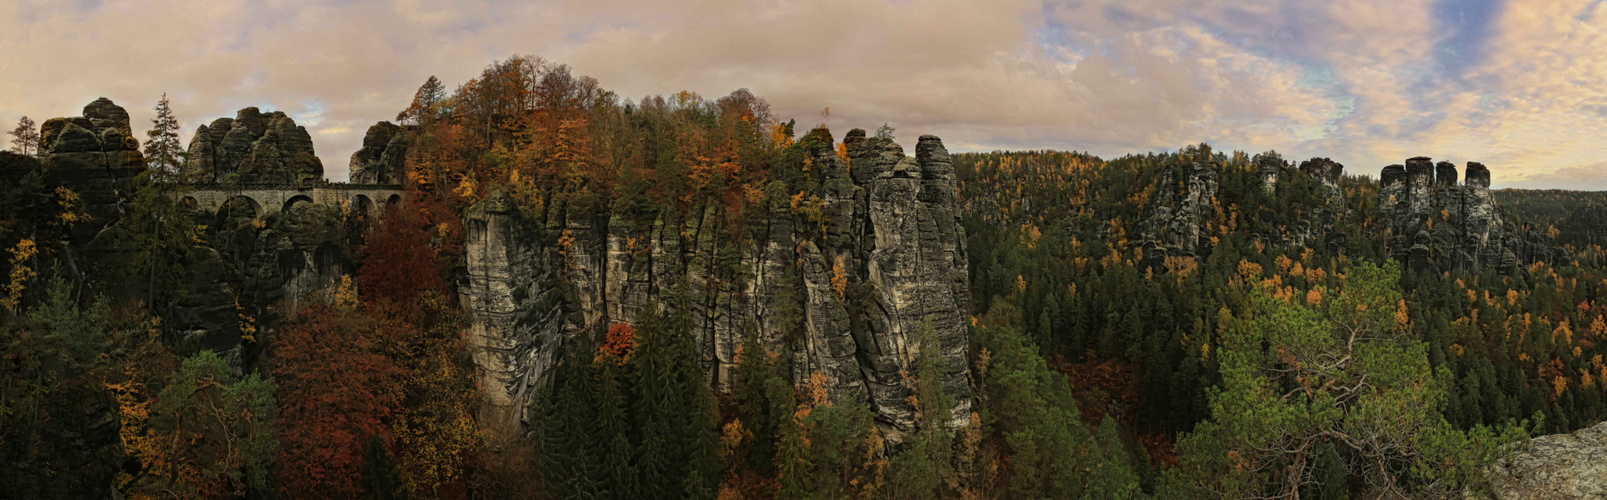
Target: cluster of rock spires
1436,223
253,147
383,157
1174,221
889,260
1181,208
1432,223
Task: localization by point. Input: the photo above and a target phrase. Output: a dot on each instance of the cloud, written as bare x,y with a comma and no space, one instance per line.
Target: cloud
1515,84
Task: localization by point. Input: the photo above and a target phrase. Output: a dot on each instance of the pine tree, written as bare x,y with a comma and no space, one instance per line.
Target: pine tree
222,426
25,138
163,153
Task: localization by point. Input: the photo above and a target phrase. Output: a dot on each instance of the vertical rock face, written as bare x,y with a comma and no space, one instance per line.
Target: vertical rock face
1444,174
1478,175
383,157
1436,224
96,156
1419,183
1270,164
1558,466
1178,211
886,260
254,147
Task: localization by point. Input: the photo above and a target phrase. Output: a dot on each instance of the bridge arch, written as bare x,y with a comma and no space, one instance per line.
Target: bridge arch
394,200
362,205
238,202
300,198
189,204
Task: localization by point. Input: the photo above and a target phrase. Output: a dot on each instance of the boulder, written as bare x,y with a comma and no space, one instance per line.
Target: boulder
1558,466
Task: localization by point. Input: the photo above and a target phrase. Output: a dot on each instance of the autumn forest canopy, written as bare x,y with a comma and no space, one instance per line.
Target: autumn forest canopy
537,288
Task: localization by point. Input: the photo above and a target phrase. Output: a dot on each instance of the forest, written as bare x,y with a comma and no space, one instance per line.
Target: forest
1162,325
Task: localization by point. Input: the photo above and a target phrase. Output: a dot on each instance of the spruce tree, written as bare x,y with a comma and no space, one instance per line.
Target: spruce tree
163,153
794,464
570,459
380,479
764,401
674,407
918,471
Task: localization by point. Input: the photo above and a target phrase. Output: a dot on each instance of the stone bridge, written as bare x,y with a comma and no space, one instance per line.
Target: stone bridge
277,198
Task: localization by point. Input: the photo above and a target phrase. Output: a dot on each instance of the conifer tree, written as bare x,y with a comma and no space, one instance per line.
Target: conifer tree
568,428
764,402
380,479
919,470
163,153
675,408
25,138
423,109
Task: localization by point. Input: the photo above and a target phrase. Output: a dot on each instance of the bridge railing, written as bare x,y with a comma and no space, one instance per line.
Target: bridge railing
287,186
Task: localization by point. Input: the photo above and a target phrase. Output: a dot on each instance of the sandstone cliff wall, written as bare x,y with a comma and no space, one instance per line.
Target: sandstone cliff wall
887,258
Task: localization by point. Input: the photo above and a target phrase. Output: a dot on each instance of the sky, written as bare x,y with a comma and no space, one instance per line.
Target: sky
1518,85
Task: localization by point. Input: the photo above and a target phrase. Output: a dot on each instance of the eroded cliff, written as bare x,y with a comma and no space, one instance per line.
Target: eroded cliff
844,281
253,147
1434,223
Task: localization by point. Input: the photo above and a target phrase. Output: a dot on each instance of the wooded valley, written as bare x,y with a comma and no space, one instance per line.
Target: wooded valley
575,294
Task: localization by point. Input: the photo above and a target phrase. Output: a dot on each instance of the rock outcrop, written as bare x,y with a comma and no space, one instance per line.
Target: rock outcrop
253,147
383,157
1558,466
1177,213
1436,224
845,281
96,156
1325,170
1183,204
